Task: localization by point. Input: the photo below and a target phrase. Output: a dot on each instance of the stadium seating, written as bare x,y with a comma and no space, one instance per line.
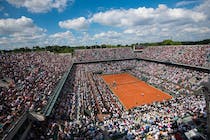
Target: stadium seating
32,78
28,79
160,120
196,55
103,54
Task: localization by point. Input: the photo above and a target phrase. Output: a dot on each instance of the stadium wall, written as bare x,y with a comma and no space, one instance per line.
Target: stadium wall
197,68
100,61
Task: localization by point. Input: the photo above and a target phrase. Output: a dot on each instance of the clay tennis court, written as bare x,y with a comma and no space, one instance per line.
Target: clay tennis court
132,91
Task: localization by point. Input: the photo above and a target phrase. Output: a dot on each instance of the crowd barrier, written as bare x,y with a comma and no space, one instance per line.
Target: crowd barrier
48,109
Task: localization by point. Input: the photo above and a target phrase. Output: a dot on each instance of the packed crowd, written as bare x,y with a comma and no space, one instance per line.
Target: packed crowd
86,107
171,78
85,91
196,55
26,82
158,120
104,54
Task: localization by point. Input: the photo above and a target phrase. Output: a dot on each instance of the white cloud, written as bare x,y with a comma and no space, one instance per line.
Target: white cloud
21,41
80,23
155,24
6,14
109,35
201,30
40,6
66,34
20,26
20,31
148,24
186,2
144,16
127,26
60,38
204,8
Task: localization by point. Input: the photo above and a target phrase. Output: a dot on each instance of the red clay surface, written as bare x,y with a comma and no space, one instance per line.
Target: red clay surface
133,92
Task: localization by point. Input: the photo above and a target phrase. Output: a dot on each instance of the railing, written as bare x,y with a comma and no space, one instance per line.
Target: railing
14,129
106,60
197,68
48,109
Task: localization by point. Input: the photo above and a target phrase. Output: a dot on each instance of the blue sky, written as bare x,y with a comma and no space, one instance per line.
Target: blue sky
88,22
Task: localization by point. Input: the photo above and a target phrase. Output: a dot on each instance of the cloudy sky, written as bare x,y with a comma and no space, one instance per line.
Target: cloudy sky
88,22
